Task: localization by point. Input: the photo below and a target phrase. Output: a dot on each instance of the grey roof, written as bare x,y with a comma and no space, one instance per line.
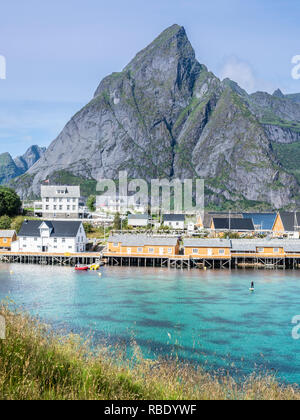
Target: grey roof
209,215
227,223
61,229
242,245
7,233
138,216
210,243
250,245
142,240
70,191
174,217
290,220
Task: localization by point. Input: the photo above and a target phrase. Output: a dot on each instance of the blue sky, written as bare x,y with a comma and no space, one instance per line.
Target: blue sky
57,52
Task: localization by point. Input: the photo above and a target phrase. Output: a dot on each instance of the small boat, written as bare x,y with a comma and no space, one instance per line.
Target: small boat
95,267
81,267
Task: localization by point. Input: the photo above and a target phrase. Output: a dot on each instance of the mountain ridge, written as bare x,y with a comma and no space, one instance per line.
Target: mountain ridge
167,115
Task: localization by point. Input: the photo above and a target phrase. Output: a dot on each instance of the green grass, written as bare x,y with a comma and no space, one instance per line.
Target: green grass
38,364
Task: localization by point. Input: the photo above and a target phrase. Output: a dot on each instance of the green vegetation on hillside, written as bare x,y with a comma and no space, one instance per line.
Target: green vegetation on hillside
87,186
36,364
289,157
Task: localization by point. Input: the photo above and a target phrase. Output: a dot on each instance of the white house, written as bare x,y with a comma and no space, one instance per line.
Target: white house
119,204
137,220
51,236
59,202
174,221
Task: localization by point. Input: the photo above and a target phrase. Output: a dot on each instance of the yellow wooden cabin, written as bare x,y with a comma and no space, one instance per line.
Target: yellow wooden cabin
207,248
6,238
142,245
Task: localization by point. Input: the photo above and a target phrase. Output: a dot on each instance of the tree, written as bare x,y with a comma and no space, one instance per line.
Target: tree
88,227
5,222
10,203
117,221
91,203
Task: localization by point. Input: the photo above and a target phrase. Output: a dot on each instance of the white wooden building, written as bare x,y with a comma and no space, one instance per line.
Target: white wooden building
59,202
51,236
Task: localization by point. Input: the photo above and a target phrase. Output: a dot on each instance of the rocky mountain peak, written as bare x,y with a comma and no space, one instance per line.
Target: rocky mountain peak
278,93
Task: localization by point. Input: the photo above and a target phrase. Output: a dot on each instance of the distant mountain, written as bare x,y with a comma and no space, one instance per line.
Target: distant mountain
10,169
165,116
32,155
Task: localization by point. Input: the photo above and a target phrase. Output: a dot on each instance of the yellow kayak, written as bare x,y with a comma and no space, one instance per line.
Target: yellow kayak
94,267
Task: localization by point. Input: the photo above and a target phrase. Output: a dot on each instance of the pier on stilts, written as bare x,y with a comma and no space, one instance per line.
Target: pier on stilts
67,259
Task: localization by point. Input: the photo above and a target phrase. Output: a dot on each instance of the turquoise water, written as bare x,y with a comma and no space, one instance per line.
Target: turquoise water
203,316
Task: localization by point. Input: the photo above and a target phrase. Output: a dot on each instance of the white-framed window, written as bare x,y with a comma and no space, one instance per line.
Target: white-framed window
169,250
63,240
35,239
24,239
128,250
275,250
195,250
260,250
221,251
115,245
140,250
55,240
151,250
5,240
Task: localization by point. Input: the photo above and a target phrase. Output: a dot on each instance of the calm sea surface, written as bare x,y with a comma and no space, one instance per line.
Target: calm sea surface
203,316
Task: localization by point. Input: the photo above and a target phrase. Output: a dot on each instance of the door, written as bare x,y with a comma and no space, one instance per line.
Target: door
44,249
161,251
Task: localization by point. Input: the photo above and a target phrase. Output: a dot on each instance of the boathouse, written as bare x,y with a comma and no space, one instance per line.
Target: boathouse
6,238
202,248
142,245
51,237
239,225
287,223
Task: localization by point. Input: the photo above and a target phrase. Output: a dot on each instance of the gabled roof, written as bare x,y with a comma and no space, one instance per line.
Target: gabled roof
68,191
209,215
138,216
173,217
261,221
142,240
60,229
207,243
233,224
7,233
290,220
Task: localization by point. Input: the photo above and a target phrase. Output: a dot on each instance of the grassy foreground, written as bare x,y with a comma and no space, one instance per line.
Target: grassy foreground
37,364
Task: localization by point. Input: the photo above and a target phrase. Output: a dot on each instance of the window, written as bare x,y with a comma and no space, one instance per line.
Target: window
73,207
276,250
35,239
128,250
70,247
47,199
63,240
151,250
47,207
140,250
169,250
260,249
115,245
195,251
55,240
24,239
5,240
24,246
68,207
221,251
60,207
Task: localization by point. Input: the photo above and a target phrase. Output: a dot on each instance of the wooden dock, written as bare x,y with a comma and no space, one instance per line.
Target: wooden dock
45,258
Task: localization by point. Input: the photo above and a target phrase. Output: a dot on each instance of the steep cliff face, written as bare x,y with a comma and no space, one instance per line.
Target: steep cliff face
30,157
166,115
